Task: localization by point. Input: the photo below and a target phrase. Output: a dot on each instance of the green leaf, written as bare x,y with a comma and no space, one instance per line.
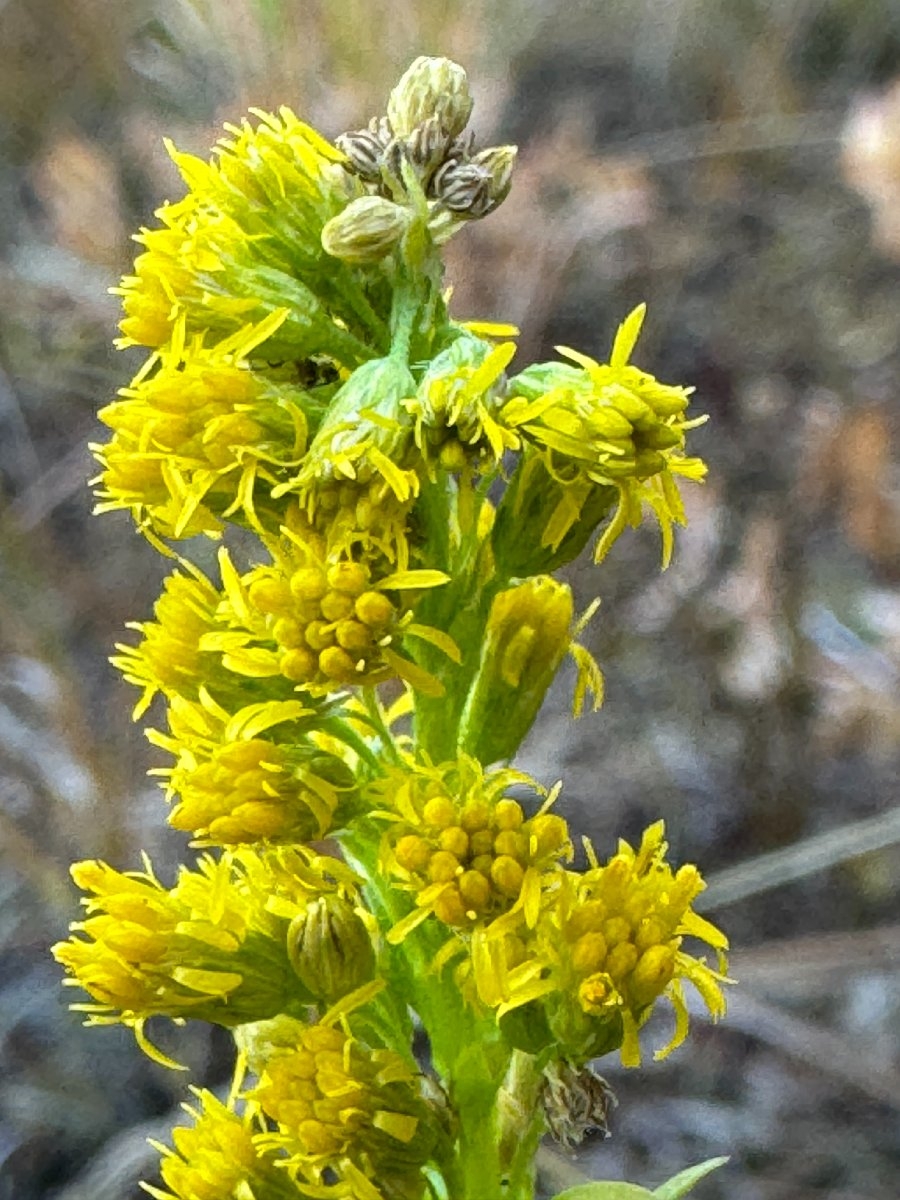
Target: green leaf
680,1184
605,1191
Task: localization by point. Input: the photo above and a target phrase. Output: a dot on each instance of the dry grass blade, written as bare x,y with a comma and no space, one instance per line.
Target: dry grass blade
811,1044
804,858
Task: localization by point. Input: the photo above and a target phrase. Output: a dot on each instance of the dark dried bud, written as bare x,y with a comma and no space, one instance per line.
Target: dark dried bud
381,128
499,161
576,1103
330,948
395,154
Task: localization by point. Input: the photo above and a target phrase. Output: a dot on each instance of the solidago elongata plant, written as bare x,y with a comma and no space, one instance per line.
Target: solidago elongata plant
343,701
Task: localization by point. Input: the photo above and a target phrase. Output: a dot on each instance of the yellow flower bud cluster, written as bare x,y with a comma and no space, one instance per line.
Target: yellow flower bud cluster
606,424
327,622
321,623
464,849
605,949
336,1099
196,431
457,403
245,793
168,658
215,946
234,249
216,1156
212,947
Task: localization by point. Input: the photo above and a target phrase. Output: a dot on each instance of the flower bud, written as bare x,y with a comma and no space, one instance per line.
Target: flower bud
463,187
367,230
330,948
427,148
430,87
474,187
499,162
364,150
528,633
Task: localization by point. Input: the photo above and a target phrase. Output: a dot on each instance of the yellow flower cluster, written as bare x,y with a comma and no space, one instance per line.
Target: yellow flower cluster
261,774
607,945
197,431
462,847
407,501
217,1157
321,624
215,946
168,658
335,1099
606,425
247,232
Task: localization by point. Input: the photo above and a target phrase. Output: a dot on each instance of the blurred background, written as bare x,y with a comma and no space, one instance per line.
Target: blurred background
737,165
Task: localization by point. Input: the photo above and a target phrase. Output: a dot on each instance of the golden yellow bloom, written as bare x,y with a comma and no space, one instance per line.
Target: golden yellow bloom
212,947
245,242
335,1099
322,623
463,848
606,425
197,433
605,950
263,774
168,658
216,1157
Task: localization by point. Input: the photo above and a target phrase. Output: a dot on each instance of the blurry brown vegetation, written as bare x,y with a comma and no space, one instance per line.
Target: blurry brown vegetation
736,165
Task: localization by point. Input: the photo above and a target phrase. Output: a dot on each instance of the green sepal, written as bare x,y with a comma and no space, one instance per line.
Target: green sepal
526,1028
530,499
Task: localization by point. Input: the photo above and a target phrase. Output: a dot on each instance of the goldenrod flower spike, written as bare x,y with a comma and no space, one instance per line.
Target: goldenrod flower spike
382,624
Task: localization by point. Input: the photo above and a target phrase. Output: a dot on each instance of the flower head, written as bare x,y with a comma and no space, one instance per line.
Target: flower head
214,946
457,402
198,432
168,658
216,1156
322,622
465,849
606,948
245,242
354,485
334,1099
530,629
265,773
606,425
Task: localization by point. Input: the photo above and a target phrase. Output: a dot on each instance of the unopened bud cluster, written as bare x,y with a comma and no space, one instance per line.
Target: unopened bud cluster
421,138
